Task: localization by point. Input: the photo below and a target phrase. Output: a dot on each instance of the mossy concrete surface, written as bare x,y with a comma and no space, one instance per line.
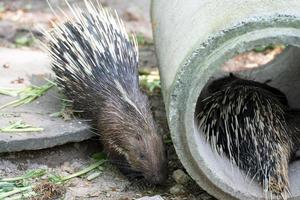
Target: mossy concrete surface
18,69
193,39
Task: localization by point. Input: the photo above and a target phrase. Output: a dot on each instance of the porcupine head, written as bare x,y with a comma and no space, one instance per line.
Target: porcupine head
95,63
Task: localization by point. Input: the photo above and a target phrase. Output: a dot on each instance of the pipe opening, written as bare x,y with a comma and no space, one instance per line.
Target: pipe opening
276,65
255,58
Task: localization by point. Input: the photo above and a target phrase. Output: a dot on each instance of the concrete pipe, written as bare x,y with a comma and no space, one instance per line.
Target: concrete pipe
193,39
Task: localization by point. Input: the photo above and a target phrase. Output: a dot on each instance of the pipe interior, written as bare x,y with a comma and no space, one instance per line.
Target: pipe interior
283,73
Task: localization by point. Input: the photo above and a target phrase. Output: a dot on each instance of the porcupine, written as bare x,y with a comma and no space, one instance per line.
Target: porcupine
96,65
251,123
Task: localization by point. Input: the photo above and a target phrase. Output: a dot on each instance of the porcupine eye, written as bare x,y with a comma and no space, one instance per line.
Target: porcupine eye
138,138
142,156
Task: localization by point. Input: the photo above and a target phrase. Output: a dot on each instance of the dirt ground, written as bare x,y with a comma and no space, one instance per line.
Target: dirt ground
20,22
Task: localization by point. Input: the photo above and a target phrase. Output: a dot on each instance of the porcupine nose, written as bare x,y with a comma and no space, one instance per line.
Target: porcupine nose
159,176
158,179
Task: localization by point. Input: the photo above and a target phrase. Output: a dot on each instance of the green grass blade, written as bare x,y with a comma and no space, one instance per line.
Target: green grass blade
23,196
10,92
20,126
14,191
84,171
29,94
30,174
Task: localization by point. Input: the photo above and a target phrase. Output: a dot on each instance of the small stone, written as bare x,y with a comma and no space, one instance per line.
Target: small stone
177,189
19,80
76,165
93,176
138,195
6,65
94,194
67,168
7,30
180,177
156,197
124,198
73,182
205,196
77,146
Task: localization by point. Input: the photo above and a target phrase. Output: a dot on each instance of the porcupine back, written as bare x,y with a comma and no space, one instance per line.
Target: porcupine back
94,57
95,63
246,121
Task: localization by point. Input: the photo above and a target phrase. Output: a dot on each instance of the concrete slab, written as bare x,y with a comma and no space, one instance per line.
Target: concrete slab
33,67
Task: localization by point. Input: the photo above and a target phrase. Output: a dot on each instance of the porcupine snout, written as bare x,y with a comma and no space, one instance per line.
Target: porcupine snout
159,173
149,157
157,177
